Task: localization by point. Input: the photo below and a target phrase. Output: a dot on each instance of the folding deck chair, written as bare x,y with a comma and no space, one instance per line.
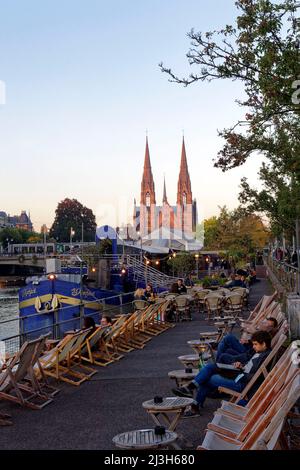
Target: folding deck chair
266,430
241,420
60,362
18,368
277,343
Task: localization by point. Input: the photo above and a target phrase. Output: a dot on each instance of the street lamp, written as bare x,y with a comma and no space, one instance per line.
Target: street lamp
72,233
9,240
197,263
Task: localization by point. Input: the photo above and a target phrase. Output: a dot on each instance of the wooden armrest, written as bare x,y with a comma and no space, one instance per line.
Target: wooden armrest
228,391
213,333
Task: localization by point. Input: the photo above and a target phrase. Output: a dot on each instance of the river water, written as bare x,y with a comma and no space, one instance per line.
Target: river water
9,309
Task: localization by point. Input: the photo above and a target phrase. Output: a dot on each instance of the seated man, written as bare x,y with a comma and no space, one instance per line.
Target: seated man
180,287
211,377
236,281
106,322
189,281
230,349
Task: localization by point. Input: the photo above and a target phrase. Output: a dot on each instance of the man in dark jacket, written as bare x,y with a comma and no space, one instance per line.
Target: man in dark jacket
231,350
179,287
211,377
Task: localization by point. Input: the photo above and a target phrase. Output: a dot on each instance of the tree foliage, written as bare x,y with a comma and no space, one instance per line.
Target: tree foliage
10,235
91,254
183,264
237,232
262,52
71,214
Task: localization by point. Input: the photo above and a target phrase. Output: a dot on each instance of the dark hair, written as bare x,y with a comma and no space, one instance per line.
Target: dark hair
108,318
89,322
262,337
275,322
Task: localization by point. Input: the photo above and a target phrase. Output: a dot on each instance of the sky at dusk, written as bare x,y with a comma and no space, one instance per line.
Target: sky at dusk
83,85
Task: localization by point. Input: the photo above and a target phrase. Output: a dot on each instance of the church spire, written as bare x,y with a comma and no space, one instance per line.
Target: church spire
184,193
147,187
165,199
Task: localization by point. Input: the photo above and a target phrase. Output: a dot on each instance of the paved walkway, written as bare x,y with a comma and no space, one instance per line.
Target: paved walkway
88,417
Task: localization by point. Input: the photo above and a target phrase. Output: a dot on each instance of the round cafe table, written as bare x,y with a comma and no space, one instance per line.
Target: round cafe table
182,377
190,360
145,439
168,412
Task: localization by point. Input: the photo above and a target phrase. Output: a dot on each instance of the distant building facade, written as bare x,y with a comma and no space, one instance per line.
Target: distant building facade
18,221
180,219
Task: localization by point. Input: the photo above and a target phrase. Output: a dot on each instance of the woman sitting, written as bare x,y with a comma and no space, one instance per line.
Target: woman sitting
149,294
140,294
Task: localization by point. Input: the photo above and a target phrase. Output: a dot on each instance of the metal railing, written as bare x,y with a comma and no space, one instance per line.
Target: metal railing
287,276
50,322
143,272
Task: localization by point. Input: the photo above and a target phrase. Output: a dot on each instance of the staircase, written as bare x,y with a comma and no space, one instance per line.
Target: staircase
141,274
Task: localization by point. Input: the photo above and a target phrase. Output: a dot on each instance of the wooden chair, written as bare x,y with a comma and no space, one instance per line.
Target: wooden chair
42,385
265,431
18,368
242,421
201,294
214,304
263,370
119,335
262,309
183,309
95,350
61,361
109,340
234,305
5,419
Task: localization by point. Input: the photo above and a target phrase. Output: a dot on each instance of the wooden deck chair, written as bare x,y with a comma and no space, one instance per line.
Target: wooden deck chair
119,335
263,370
140,336
264,302
148,324
60,362
265,428
130,334
95,351
12,386
259,311
272,309
41,386
240,412
152,321
160,322
107,341
238,427
5,419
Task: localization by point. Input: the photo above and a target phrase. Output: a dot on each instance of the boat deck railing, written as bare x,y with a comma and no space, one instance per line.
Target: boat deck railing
14,331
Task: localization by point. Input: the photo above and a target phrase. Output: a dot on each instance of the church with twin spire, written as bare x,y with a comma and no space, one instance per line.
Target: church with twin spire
154,221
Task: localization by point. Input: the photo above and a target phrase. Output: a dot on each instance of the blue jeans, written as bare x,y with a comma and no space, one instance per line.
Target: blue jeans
232,343
208,380
232,356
